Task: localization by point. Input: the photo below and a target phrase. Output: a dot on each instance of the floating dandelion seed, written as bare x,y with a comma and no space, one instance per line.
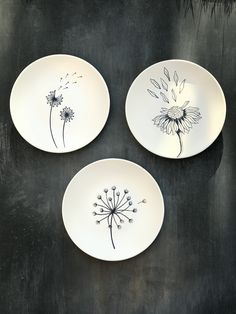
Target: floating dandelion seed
53,101
67,114
177,119
115,209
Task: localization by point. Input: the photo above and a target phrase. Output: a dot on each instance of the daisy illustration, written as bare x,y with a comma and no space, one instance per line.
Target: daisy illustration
53,101
176,119
67,114
115,208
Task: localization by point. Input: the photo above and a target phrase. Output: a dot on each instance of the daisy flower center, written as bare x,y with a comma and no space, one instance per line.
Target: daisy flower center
175,112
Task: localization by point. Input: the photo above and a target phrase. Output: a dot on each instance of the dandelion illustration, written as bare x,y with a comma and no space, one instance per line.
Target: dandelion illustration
178,119
67,114
66,81
53,101
115,209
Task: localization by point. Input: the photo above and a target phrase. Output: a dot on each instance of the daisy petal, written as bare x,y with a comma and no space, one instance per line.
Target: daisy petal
180,126
192,109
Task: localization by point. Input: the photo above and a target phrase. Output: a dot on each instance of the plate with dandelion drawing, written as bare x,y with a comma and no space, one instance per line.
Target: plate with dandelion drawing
113,209
175,108
59,103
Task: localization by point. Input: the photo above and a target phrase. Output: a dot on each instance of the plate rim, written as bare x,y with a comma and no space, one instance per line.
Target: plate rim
52,56
202,68
128,162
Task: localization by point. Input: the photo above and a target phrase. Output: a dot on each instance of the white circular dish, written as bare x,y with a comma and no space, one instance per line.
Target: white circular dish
175,108
59,103
113,209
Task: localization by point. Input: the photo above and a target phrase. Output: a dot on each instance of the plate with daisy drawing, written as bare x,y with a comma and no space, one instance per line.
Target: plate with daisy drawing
175,108
59,103
113,209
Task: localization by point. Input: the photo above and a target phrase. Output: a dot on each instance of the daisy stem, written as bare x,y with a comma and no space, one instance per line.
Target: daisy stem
50,126
180,142
63,132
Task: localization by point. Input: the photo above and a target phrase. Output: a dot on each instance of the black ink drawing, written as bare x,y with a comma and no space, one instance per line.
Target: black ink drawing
115,209
55,99
67,115
178,119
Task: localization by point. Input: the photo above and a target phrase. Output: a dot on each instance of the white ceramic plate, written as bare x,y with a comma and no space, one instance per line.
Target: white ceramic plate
59,103
175,108
113,209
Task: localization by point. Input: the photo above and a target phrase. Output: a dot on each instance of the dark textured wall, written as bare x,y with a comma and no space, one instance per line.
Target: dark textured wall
191,267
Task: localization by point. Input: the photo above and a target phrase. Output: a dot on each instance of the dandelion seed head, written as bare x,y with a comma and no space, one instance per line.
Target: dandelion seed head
128,198
130,220
126,191
130,203
119,226
101,210
97,222
118,193
67,114
113,188
105,190
121,221
135,210
99,197
94,213
110,226
95,204
53,100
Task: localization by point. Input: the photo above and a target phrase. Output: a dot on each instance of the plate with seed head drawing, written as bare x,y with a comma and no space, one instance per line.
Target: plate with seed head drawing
175,108
113,209
59,103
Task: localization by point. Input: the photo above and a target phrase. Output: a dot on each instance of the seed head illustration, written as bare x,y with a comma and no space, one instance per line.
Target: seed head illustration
55,99
115,208
67,114
175,119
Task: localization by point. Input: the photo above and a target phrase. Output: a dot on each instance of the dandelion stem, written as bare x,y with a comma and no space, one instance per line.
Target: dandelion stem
63,132
180,142
111,233
50,126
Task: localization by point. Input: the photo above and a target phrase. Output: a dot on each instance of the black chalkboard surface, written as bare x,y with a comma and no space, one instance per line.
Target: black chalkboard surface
190,268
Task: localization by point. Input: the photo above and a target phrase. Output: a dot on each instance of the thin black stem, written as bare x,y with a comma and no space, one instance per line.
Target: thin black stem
107,216
180,143
63,132
123,204
123,215
111,233
99,205
108,205
117,201
117,205
50,126
114,198
115,221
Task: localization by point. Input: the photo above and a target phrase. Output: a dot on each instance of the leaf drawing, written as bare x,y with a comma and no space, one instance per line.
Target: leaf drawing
181,87
173,95
165,99
166,72
176,78
185,103
155,83
164,84
152,93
